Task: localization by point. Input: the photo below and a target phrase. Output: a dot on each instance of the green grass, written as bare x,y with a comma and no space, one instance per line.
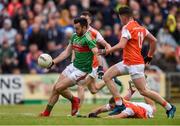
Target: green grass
28,115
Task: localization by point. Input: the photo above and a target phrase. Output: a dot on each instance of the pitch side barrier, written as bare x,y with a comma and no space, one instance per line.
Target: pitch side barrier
36,89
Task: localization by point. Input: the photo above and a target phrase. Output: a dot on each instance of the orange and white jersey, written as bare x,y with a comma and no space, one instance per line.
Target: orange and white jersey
138,110
98,38
135,35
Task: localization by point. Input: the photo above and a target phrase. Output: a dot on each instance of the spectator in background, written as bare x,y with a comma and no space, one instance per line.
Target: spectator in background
7,57
21,52
165,51
65,19
85,4
37,20
117,30
38,8
24,31
148,23
164,37
107,13
176,33
62,4
49,8
120,3
13,7
30,17
27,5
112,40
54,32
97,24
73,10
171,20
31,59
7,33
178,58
158,23
37,37
18,16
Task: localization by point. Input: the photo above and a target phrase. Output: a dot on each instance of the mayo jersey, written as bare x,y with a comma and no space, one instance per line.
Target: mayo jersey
135,35
82,46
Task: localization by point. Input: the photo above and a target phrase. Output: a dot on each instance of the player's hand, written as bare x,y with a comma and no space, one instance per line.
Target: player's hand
108,47
102,51
93,115
50,66
100,72
147,59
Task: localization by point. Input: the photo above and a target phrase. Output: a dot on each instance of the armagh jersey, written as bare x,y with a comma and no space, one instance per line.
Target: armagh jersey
82,47
135,35
98,38
138,109
135,109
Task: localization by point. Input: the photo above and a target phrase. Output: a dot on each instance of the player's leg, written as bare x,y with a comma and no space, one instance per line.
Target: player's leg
93,86
57,89
150,102
116,70
140,84
81,96
131,91
66,93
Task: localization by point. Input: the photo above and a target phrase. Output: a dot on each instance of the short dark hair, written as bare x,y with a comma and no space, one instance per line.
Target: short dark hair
125,11
111,100
86,13
81,21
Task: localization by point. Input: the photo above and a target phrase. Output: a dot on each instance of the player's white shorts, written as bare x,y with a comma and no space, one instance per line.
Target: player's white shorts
93,74
74,74
136,71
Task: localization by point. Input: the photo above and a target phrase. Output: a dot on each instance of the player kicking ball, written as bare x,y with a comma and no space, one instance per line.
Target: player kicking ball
84,46
98,68
133,63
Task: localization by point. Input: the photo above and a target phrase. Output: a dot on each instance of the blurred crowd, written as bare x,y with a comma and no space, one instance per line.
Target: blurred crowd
31,27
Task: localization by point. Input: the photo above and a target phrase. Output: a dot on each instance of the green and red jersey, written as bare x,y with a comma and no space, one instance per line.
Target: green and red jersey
82,47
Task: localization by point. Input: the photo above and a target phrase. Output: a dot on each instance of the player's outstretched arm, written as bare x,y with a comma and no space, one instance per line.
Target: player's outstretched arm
121,115
66,53
122,43
98,111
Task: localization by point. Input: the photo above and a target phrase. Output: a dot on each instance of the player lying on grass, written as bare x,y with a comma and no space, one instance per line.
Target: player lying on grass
84,46
132,38
98,67
133,109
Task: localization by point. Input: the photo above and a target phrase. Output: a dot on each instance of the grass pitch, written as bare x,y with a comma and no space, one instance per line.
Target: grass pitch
28,115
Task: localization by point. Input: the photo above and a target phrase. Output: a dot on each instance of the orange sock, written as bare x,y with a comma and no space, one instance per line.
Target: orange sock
118,100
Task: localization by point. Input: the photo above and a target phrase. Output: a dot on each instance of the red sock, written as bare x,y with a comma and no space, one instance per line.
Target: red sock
166,105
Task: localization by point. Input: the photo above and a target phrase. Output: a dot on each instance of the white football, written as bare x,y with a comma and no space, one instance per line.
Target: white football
44,60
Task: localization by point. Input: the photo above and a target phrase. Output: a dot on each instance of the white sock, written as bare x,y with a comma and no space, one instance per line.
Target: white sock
118,102
168,106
